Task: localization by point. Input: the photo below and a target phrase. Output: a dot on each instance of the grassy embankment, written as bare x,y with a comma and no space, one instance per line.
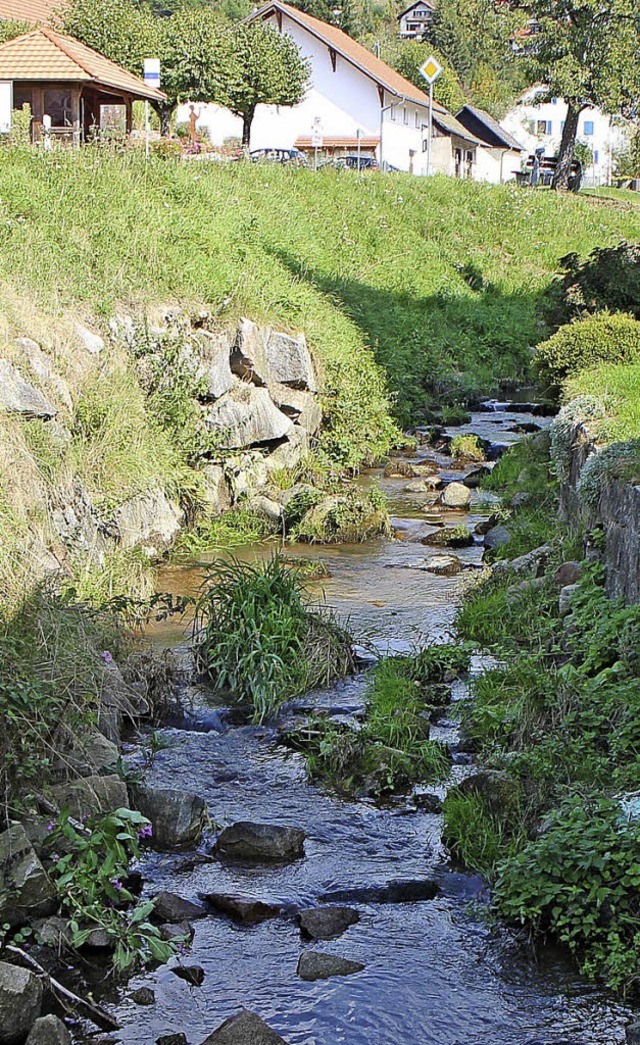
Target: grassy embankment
559,717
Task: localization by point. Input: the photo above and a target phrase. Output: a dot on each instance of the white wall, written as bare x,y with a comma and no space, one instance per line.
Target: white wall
608,135
496,165
337,102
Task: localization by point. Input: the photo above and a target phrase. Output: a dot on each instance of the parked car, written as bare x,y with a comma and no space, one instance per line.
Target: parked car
278,156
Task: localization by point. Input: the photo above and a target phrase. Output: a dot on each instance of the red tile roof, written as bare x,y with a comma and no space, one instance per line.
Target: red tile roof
44,54
354,52
36,12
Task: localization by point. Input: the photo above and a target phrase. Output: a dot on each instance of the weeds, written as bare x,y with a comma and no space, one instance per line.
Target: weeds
255,634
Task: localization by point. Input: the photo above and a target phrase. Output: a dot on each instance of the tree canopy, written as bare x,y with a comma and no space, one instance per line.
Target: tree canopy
408,55
586,51
265,67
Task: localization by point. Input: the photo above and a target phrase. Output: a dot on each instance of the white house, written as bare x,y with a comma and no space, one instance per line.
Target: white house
415,19
535,122
500,157
352,97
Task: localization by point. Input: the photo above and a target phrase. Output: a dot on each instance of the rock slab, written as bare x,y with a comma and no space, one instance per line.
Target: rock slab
261,842
169,907
242,909
17,396
315,965
48,1030
244,1029
325,923
20,1003
25,889
178,817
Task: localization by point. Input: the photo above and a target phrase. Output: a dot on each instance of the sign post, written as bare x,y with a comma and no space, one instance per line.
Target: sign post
151,68
430,71
317,141
359,134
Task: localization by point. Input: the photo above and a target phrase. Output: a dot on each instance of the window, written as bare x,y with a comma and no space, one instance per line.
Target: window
405,115
59,106
417,117
544,127
392,112
554,101
21,96
588,127
596,156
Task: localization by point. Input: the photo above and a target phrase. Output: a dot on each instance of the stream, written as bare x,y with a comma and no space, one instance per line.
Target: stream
436,972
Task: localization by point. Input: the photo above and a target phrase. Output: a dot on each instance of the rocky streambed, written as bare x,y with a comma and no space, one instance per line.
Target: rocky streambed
411,959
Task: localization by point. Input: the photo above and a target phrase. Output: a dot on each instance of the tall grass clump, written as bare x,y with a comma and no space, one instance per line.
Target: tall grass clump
256,634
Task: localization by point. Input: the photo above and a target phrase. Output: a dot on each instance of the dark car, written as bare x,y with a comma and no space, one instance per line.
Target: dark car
278,156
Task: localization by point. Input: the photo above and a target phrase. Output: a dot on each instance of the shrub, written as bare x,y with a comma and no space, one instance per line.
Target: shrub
467,447
255,634
608,279
603,338
581,881
616,461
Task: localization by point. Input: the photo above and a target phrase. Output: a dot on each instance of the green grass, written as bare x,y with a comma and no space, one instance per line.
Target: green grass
375,264
393,749
256,634
618,387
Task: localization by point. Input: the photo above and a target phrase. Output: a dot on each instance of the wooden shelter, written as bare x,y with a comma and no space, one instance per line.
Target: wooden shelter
81,91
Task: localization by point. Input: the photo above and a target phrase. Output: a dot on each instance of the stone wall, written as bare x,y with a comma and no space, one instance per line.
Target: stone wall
613,506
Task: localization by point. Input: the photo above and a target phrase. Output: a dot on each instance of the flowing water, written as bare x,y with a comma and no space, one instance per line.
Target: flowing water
436,972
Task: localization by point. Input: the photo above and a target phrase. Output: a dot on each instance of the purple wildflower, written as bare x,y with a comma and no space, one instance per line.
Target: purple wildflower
183,948
117,884
146,831
106,656
55,857
50,825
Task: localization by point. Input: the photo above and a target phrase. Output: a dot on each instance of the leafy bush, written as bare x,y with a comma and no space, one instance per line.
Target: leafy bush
255,633
90,879
609,279
602,338
581,881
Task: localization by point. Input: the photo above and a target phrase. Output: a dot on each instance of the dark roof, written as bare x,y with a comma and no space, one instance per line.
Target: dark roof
418,3
487,129
451,125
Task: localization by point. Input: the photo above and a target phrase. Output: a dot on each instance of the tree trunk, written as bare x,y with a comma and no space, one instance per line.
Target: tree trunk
247,120
165,112
567,147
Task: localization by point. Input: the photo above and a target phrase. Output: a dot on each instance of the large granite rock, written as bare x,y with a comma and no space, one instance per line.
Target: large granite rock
42,366
88,754
289,361
216,494
456,495
215,367
17,396
316,965
261,842
149,521
497,537
301,407
25,889
169,907
244,1029
247,416
178,818
91,341
20,1003
92,795
325,923
248,355
48,1030
290,452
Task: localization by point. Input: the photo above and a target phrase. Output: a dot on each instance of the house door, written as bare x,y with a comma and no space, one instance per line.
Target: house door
458,163
468,173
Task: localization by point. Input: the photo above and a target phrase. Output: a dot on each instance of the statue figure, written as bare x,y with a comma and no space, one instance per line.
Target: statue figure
193,133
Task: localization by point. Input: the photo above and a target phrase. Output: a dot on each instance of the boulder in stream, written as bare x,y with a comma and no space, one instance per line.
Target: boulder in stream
169,907
242,909
48,1030
244,1029
325,923
316,965
178,817
261,842
20,1002
632,1033
443,565
92,795
456,495
449,537
192,974
172,1039
496,537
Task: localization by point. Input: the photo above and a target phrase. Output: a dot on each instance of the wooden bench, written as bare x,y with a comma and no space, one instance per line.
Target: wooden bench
546,171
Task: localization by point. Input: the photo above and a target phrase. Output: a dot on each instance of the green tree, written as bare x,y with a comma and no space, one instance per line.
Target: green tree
475,36
9,28
264,67
587,53
408,55
191,45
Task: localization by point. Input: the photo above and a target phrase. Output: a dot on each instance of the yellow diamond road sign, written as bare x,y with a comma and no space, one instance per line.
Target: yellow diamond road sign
431,69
